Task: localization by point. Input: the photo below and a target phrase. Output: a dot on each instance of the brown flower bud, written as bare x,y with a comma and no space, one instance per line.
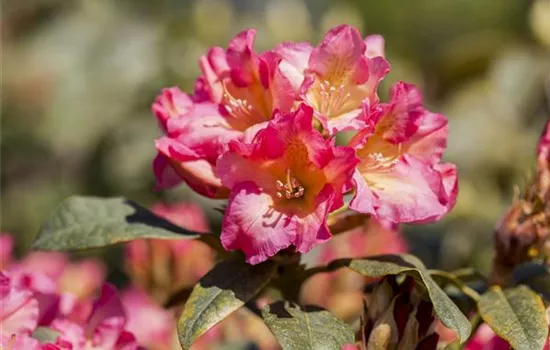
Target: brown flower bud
398,318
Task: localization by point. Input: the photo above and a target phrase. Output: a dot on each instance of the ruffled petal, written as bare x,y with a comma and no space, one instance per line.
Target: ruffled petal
19,311
411,191
295,57
400,118
374,46
171,103
260,233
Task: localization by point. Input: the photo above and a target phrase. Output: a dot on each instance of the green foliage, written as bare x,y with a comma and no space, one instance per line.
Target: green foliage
306,328
227,287
91,222
449,314
516,315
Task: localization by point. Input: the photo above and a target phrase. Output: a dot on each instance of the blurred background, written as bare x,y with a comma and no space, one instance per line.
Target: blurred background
78,79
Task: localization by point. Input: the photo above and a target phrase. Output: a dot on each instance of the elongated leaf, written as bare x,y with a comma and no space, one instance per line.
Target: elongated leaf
449,314
516,315
227,287
92,222
307,328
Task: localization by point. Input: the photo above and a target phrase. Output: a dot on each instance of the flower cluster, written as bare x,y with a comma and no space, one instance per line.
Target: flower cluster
260,130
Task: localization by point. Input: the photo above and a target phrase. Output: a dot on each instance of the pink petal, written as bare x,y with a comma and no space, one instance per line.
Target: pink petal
260,233
19,342
214,68
159,328
241,58
108,318
272,78
374,46
170,103
364,200
430,140
71,334
338,53
165,174
295,57
18,308
411,191
400,119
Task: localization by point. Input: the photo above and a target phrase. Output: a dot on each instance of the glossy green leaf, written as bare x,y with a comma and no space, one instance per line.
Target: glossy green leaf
92,222
227,287
516,315
306,328
449,314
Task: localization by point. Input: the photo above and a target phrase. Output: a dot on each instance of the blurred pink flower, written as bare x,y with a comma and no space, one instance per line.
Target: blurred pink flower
163,266
292,177
400,177
342,78
104,329
153,326
18,308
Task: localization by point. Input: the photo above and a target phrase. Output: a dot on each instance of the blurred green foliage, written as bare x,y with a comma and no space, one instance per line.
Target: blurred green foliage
79,77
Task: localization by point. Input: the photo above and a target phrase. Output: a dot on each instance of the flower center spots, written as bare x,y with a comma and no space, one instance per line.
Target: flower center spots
290,188
378,161
332,97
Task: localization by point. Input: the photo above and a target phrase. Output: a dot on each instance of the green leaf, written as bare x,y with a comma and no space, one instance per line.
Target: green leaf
516,315
379,266
306,328
92,222
227,287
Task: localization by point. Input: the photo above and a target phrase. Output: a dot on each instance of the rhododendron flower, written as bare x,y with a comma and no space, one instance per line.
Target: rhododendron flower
18,308
342,77
153,326
196,134
104,329
284,184
240,89
247,85
399,177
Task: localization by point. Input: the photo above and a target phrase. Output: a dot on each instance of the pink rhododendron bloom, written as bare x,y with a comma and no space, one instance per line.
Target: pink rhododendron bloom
284,184
399,177
18,308
239,89
104,329
248,86
153,326
342,77
195,135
